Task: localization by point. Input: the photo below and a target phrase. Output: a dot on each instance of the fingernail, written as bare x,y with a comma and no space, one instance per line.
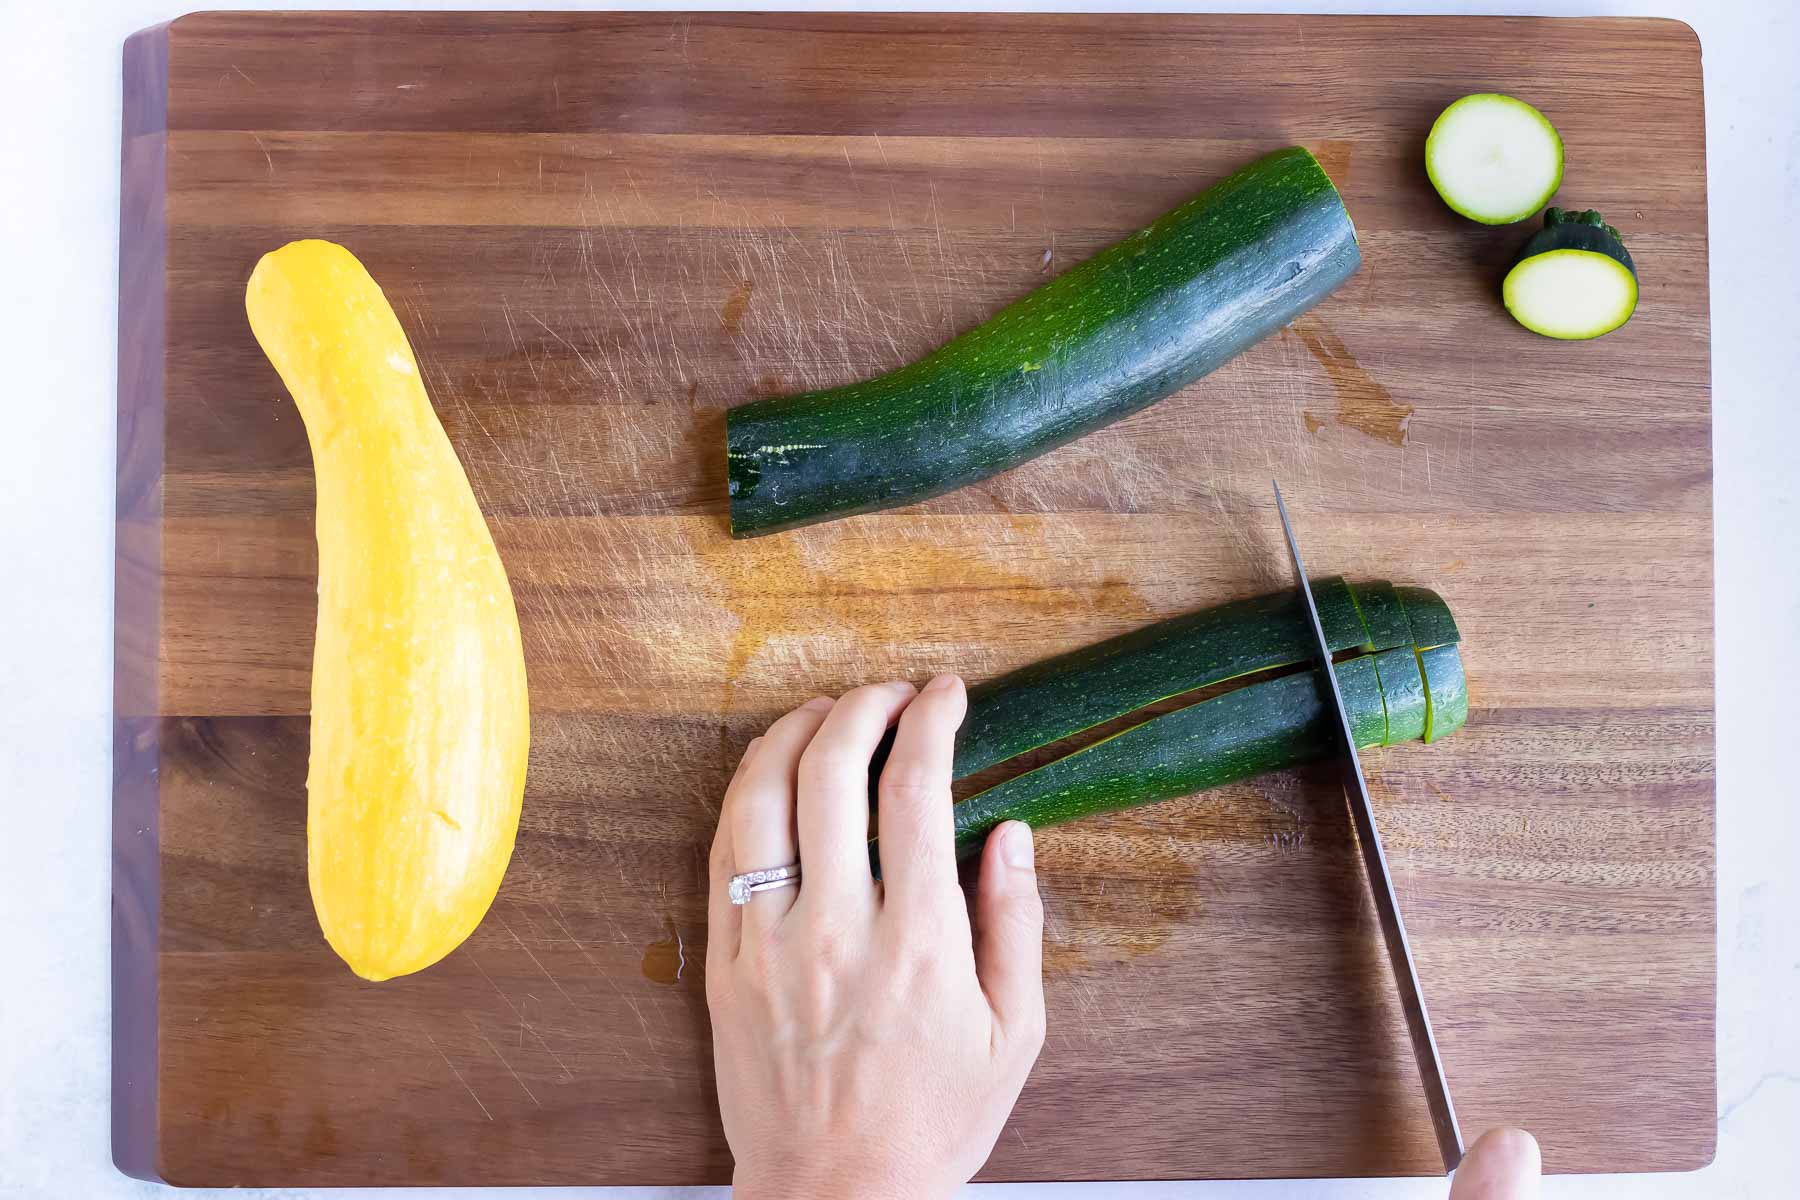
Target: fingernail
900,685
942,683
1015,845
818,704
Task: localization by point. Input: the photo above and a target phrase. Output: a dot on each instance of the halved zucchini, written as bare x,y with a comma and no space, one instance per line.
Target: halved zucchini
1062,696
1409,689
1264,727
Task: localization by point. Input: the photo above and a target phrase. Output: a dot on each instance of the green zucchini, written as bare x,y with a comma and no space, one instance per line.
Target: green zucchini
1119,331
1383,615
1406,691
1574,279
1446,691
1360,682
1059,697
1056,698
1493,158
1403,689
1428,618
1263,727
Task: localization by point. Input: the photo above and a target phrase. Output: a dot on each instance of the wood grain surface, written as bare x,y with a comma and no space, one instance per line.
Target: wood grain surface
602,230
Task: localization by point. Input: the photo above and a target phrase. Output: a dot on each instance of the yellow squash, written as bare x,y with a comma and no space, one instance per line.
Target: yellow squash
419,718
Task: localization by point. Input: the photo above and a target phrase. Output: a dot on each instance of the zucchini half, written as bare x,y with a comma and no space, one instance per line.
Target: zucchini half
1408,689
1108,337
1264,727
1059,697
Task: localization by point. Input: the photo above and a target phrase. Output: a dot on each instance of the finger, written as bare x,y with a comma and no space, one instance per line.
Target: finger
834,794
722,926
918,844
1009,947
1503,1164
761,808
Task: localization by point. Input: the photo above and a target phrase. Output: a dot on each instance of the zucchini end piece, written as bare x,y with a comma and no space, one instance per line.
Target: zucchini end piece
1446,692
1571,295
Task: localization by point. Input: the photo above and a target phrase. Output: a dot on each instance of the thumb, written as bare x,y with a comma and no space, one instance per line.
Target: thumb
1503,1164
1009,945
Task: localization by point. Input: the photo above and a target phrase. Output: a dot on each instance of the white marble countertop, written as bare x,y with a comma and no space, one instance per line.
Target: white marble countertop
60,169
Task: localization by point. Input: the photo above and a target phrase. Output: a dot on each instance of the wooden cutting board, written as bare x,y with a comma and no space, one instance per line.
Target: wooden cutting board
602,230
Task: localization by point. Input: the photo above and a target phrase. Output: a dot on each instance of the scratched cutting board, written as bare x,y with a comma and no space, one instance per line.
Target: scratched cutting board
602,230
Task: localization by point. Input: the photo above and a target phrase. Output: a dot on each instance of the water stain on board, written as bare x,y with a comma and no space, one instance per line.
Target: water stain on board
665,962
1362,403
1334,156
835,584
731,313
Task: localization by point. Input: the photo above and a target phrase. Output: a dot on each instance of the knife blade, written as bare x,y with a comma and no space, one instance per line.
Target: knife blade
1387,905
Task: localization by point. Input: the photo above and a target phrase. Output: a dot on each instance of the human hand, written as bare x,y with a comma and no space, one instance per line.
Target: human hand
867,1042
1503,1164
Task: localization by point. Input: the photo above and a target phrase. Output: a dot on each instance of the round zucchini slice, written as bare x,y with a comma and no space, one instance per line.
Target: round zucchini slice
1493,158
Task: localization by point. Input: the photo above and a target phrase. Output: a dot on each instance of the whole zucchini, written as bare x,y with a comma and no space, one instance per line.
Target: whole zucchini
1108,337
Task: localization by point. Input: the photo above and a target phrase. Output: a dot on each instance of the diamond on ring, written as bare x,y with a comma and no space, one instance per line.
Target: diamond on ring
743,887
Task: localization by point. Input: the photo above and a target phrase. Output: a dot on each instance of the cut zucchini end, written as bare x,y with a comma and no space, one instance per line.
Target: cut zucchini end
1446,692
1493,158
1572,295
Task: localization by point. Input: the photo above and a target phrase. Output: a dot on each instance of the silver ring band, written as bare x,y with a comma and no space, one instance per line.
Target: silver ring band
744,886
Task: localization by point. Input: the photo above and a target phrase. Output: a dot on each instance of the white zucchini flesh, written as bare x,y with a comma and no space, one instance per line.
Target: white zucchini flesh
1493,158
1570,294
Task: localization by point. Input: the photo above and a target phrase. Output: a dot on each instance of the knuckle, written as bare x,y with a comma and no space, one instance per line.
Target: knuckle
828,946
912,783
868,694
746,821
1023,913
929,929
787,722
828,764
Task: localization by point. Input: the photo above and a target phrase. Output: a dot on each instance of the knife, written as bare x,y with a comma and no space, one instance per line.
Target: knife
1393,929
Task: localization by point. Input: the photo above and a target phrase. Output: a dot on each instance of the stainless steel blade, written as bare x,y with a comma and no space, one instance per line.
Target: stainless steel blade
1387,906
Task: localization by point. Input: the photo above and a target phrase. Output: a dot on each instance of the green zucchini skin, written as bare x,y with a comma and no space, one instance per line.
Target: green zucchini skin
1403,690
1360,682
1264,727
1108,337
1382,613
1428,618
1585,230
1446,692
1058,697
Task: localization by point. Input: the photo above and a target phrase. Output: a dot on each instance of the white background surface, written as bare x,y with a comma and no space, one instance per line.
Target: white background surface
59,196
